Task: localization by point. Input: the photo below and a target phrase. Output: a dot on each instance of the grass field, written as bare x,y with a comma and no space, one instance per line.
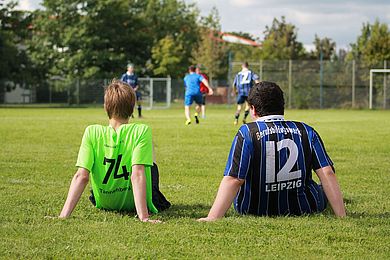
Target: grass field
39,149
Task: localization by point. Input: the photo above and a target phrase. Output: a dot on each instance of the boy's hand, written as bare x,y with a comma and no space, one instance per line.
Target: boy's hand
206,219
153,221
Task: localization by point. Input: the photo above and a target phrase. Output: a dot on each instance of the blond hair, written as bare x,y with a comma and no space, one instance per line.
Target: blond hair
119,100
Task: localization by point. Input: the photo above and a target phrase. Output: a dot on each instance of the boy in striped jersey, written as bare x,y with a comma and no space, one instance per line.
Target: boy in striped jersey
269,169
242,84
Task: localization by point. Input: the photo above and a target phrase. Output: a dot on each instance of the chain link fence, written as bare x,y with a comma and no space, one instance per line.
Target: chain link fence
326,84
306,84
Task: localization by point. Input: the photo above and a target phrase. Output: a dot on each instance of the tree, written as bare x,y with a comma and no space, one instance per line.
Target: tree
166,55
280,42
324,45
175,19
211,50
372,45
371,49
88,39
14,25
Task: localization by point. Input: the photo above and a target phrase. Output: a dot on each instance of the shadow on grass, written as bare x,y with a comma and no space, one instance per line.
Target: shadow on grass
175,211
186,211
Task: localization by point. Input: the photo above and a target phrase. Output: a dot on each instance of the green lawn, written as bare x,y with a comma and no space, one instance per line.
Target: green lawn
39,148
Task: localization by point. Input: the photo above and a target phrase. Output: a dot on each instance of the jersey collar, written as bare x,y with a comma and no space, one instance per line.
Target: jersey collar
271,118
129,73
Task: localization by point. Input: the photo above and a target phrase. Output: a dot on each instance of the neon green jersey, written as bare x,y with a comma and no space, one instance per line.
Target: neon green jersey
109,156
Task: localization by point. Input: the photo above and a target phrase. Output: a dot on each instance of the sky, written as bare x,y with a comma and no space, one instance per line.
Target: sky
340,20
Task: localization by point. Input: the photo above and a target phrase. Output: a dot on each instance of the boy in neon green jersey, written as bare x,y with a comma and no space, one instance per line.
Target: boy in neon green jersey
118,159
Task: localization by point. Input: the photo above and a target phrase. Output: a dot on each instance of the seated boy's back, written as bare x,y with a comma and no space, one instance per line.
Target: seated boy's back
118,158
109,155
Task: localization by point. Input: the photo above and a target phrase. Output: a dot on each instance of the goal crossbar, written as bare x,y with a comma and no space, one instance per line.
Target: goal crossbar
372,71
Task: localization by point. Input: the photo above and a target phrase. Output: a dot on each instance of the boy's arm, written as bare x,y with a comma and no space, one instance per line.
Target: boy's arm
138,180
77,186
206,83
227,191
332,190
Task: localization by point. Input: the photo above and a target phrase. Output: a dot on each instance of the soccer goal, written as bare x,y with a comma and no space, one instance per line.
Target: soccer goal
156,92
372,72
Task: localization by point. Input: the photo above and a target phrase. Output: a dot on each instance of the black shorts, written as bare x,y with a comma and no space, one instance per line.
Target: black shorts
204,98
158,199
138,95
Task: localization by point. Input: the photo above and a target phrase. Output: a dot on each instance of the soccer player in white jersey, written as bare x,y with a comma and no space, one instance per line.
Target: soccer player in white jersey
242,84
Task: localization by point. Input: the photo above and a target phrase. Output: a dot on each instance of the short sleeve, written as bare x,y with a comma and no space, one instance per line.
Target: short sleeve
200,78
143,151
238,162
85,158
254,76
319,154
123,77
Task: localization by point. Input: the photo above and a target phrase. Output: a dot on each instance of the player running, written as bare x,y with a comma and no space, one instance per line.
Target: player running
118,159
192,85
203,89
132,79
243,82
270,164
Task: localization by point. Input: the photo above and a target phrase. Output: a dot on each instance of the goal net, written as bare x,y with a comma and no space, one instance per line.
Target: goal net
156,92
384,93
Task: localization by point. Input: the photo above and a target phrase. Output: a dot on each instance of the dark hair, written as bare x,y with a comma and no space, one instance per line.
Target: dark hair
191,68
245,64
267,99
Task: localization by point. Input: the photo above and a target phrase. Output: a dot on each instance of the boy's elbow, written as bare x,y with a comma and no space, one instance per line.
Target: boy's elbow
137,176
82,176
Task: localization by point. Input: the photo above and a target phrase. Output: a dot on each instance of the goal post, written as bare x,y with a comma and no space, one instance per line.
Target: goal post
372,71
156,92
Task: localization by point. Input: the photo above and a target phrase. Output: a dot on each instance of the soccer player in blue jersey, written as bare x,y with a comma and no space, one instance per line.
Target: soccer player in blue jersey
192,85
269,169
132,79
243,82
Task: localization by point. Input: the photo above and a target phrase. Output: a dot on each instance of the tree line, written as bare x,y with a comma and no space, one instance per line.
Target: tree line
89,39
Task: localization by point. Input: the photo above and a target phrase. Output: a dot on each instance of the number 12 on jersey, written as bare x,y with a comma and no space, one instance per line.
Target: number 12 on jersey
115,163
284,174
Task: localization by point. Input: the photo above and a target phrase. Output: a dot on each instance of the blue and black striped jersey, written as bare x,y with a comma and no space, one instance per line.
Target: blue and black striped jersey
276,159
244,81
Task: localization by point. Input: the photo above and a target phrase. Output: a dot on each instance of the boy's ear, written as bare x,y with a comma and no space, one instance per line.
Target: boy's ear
253,112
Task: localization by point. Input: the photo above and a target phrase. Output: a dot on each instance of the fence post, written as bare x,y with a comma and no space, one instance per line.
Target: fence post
169,83
289,83
229,76
353,83
321,78
261,70
151,93
50,94
384,85
370,92
78,91
69,100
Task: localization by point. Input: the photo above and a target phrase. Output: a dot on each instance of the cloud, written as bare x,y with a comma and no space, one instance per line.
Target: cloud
339,20
29,5
243,3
